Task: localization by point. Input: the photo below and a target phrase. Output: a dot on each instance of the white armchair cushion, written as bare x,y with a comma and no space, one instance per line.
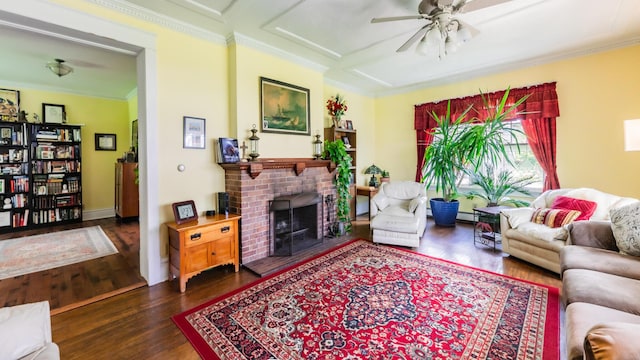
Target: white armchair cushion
415,202
24,329
381,201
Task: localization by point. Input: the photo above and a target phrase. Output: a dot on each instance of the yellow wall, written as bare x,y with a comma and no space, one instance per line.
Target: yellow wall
249,66
596,93
96,115
360,110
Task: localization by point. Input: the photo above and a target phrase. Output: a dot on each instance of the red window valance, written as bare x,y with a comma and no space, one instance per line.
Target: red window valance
541,103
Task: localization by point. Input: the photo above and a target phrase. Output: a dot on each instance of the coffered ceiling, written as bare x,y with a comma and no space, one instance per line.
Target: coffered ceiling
338,38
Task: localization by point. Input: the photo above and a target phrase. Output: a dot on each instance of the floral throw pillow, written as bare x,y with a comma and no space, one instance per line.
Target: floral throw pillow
554,217
625,224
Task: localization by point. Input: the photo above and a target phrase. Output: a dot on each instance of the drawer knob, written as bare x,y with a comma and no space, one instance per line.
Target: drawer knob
225,229
196,236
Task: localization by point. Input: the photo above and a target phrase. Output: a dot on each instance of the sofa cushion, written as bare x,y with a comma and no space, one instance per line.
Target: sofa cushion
586,207
625,224
606,261
592,233
595,287
581,317
611,341
24,329
518,216
554,217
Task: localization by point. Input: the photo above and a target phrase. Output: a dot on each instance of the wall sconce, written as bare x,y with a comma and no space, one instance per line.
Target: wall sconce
253,144
373,170
317,146
632,135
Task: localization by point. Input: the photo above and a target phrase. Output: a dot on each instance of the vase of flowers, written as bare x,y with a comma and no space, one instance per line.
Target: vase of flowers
337,106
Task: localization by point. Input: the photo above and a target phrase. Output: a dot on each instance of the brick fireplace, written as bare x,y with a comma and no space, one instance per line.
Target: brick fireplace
251,185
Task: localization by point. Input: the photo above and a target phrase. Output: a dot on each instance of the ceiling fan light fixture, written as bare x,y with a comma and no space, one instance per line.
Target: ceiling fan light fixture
59,68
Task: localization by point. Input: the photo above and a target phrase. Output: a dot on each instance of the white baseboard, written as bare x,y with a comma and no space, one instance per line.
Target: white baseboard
98,214
462,216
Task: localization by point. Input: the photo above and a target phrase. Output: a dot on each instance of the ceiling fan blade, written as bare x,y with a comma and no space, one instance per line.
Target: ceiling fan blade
420,33
395,18
480,4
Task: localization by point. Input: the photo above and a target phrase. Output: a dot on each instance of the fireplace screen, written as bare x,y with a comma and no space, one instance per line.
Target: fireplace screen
296,223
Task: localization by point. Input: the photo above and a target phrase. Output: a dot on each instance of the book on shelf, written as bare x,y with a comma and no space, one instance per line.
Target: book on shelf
228,150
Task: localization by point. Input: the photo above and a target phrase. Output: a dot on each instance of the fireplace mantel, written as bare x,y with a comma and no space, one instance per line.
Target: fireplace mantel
254,168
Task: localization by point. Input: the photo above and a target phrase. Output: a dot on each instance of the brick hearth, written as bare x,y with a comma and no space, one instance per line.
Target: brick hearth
252,184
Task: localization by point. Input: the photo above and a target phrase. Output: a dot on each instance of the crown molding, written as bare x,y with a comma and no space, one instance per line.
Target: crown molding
141,13
237,38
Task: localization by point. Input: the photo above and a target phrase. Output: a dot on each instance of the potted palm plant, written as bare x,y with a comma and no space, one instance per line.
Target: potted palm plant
461,145
495,187
336,152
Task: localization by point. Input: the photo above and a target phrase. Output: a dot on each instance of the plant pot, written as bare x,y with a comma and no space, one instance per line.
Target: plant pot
385,179
444,213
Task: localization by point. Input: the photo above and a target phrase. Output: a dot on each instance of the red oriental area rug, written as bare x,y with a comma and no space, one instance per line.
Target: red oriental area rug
367,301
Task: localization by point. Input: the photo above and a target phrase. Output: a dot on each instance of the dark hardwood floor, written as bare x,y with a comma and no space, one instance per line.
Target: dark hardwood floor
79,284
136,323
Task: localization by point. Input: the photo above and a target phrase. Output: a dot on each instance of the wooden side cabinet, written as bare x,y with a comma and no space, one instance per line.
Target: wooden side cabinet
126,192
203,244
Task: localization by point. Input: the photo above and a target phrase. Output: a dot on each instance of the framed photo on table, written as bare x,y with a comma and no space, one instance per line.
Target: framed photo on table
53,114
349,124
184,211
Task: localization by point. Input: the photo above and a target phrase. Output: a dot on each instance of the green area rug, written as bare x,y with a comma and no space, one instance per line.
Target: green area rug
35,253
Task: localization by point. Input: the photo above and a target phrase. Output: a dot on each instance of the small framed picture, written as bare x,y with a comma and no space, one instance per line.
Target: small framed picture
105,142
53,114
184,211
349,124
345,140
10,104
194,133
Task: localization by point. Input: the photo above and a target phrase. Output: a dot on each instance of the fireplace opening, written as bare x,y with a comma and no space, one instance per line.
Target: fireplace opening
295,223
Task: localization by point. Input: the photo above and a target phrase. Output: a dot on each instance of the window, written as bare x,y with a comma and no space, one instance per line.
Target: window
523,162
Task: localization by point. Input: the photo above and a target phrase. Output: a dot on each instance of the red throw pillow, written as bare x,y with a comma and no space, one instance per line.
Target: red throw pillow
586,207
554,217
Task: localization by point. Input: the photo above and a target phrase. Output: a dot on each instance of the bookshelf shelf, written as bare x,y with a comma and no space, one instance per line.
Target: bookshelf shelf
55,174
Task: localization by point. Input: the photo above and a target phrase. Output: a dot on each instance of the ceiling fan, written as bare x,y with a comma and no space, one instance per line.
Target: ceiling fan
444,32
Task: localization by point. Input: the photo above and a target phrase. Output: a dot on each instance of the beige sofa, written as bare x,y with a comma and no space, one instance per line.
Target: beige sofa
600,289
399,213
25,332
540,244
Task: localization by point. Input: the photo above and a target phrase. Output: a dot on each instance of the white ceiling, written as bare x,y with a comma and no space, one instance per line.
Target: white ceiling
337,37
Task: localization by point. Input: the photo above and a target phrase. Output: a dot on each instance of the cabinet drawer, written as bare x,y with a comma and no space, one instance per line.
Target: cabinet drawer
206,234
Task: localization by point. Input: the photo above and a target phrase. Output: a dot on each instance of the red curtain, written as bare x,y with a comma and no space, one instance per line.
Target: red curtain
540,106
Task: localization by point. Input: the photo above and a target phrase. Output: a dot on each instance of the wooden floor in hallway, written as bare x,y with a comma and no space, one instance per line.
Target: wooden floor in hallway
82,283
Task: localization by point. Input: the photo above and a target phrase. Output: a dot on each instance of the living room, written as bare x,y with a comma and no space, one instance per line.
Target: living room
211,80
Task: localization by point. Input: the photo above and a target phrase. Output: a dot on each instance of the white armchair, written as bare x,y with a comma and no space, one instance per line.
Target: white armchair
399,213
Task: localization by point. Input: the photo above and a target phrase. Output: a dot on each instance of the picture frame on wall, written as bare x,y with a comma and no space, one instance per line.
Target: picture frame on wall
53,114
9,105
105,142
284,108
184,211
194,133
